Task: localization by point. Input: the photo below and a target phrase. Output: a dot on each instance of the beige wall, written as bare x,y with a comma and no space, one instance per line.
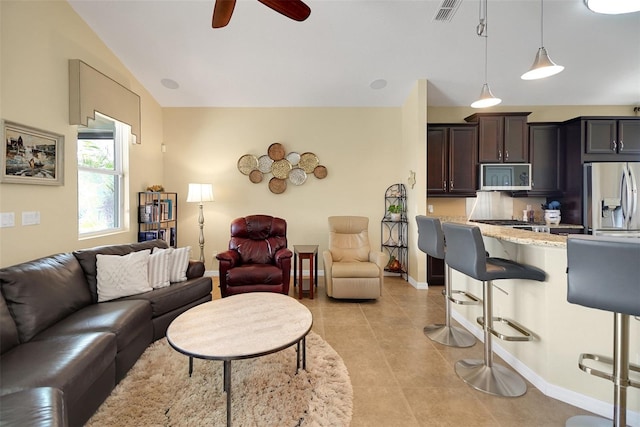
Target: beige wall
359,146
365,150
37,40
414,156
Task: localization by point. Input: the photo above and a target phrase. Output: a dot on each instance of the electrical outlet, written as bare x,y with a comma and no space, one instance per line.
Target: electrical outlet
7,219
31,218
430,208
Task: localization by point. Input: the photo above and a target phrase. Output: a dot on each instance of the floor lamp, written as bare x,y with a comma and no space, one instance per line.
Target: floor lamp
200,193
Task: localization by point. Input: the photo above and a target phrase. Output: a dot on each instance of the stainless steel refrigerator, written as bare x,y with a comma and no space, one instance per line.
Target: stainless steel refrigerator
610,203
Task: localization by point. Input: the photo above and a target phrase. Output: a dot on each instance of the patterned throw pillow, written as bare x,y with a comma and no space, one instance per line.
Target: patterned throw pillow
159,269
178,262
122,275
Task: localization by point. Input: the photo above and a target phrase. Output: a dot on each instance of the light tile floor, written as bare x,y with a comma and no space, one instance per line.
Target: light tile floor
401,378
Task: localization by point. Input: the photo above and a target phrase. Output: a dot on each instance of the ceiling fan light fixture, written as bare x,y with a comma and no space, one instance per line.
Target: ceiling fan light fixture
613,7
487,98
542,67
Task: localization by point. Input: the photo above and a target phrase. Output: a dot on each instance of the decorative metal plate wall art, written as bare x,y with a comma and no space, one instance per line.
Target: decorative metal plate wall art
292,167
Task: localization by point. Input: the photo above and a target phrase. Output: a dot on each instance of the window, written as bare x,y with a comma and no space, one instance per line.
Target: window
102,160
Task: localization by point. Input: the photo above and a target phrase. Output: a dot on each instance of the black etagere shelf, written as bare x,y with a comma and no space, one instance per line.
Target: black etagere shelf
394,230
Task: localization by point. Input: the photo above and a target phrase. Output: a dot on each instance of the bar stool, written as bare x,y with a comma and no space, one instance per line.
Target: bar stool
431,242
603,273
466,254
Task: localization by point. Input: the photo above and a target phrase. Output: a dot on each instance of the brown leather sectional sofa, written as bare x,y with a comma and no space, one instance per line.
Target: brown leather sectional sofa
62,352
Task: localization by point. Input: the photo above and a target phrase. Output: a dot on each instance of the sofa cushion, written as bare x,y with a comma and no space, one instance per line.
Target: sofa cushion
72,363
122,318
122,275
34,407
41,292
354,269
165,300
8,330
87,259
252,274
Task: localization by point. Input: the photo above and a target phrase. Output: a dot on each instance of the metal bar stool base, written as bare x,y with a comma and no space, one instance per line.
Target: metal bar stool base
495,380
588,421
451,336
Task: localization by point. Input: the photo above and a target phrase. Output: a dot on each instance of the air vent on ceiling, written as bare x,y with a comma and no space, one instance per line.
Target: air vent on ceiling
446,10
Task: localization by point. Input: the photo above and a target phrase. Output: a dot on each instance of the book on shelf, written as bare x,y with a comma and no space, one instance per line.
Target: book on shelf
145,213
144,236
172,237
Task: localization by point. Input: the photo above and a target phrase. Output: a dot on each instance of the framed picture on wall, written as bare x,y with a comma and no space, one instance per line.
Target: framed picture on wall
31,156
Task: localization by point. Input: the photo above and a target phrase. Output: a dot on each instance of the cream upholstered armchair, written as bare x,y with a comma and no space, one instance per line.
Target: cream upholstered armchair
351,269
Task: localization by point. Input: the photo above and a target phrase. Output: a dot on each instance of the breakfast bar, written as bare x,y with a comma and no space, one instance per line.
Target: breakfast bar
562,331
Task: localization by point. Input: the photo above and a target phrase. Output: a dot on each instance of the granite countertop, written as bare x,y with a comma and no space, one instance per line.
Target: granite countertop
515,235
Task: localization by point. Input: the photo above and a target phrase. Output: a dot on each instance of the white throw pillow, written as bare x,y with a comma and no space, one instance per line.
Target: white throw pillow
159,269
122,275
178,262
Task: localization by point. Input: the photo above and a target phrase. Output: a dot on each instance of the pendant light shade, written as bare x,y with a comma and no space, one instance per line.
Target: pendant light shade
542,66
613,7
487,98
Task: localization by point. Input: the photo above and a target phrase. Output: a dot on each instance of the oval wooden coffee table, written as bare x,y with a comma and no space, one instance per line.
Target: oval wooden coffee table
241,327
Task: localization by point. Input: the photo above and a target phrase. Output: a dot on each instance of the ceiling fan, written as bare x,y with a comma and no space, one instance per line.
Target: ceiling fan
294,9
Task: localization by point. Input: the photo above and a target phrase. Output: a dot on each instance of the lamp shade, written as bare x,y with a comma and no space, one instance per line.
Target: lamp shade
487,99
542,67
199,193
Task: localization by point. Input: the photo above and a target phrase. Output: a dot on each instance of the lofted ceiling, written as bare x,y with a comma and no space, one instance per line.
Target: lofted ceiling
263,59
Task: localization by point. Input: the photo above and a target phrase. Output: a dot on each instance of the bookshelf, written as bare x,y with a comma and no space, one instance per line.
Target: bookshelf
157,217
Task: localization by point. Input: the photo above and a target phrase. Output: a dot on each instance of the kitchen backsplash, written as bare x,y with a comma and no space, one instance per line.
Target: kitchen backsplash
489,205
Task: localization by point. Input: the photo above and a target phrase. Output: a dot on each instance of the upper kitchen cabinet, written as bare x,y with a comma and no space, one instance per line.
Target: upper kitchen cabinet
502,137
451,160
611,136
603,139
546,156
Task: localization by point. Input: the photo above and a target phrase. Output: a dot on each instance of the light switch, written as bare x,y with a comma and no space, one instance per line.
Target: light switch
7,219
31,218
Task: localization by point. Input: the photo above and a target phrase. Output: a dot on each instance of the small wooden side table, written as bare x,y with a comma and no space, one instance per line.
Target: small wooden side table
300,253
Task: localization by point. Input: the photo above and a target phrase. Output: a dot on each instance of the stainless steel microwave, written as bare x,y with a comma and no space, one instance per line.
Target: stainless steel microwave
505,176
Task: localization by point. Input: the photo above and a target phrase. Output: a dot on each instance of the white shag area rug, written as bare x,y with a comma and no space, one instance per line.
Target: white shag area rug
265,391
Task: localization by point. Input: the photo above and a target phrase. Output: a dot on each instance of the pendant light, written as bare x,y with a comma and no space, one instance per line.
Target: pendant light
487,98
542,66
613,7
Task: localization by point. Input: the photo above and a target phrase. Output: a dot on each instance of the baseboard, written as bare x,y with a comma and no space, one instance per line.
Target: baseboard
418,285
599,407
411,280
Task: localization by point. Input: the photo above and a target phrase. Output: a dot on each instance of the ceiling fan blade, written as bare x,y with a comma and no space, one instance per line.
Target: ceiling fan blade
294,9
222,12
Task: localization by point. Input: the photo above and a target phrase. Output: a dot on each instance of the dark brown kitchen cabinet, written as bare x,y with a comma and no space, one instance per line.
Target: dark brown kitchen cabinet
588,139
435,271
546,156
611,136
451,160
502,137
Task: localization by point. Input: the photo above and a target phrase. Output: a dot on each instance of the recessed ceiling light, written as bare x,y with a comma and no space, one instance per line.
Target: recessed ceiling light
378,84
170,84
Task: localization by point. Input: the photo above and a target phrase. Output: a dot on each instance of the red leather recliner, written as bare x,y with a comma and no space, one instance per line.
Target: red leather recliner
258,259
